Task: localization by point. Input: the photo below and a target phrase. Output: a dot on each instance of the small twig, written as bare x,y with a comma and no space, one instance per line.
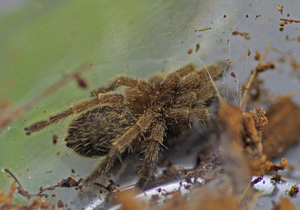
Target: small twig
102,186
13,176
110,187
277,97
205,29
53,88
244,192
67,183
290,20
282,53
254,74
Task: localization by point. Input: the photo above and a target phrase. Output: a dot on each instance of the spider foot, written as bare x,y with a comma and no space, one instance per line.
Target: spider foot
28,133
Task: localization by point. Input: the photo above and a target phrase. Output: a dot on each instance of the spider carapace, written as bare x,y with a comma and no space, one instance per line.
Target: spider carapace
148,112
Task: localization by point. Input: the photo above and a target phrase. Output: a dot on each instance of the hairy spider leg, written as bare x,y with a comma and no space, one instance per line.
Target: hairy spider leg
199,78
102,98
192,98
183,113
192,104
119,145
125,81
176,76
150,150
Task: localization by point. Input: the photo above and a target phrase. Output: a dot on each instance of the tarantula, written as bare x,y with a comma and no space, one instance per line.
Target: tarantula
149,111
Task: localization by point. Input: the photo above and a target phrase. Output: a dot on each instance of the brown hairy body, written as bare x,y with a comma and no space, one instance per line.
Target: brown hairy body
147,113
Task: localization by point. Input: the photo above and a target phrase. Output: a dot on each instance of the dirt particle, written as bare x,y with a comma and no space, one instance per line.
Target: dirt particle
54,139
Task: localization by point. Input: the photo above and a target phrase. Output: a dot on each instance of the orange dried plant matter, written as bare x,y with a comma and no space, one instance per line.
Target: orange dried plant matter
6,201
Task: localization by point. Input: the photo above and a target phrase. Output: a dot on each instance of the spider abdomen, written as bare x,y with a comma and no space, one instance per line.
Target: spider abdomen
140,120
92,133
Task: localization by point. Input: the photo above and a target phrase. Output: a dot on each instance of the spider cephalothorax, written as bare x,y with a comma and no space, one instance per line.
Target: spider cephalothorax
149,111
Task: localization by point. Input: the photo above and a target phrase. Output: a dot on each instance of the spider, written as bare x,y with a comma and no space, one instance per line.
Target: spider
148,112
